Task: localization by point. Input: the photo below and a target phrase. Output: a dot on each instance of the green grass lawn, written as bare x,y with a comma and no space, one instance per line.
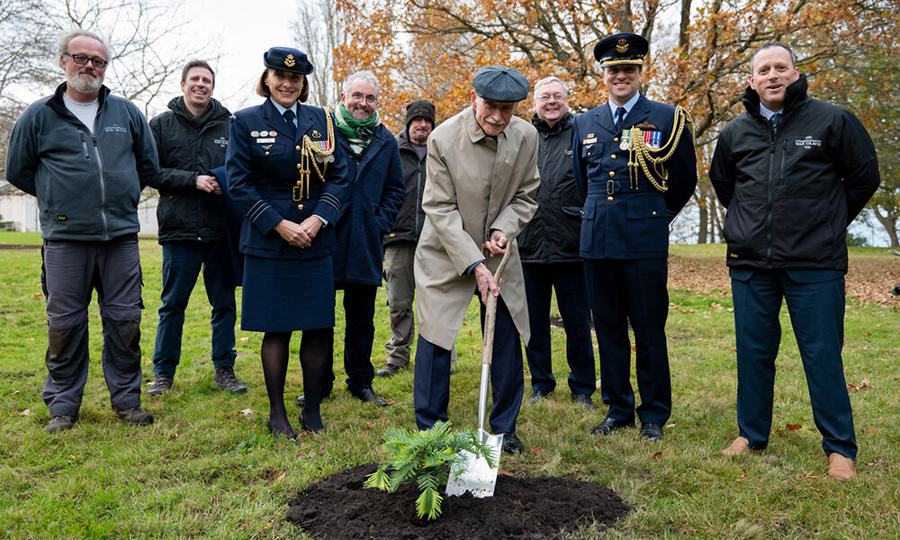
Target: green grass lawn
208,468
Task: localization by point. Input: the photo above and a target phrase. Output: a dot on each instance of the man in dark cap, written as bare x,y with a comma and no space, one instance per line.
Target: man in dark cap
634,162
400,243
482,177
793,172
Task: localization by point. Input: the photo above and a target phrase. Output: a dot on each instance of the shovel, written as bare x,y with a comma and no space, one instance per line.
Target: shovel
477,476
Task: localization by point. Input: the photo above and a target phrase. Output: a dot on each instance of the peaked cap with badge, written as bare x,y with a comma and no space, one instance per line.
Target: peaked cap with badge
288,59
501,84
624,48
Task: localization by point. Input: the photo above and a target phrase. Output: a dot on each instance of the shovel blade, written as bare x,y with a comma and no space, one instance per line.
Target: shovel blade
473,473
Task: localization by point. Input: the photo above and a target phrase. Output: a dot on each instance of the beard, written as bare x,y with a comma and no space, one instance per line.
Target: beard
83,85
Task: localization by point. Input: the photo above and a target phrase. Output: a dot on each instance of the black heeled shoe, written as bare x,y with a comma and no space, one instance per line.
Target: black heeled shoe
289,435
312,422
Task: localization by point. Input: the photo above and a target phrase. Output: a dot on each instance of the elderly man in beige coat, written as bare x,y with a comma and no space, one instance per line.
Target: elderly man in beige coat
482,177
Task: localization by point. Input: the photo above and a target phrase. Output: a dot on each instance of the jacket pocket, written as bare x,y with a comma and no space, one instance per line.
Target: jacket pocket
745,230
648,229
586,242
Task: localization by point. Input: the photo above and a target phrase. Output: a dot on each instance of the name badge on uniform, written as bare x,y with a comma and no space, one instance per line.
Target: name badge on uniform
590,140
268,140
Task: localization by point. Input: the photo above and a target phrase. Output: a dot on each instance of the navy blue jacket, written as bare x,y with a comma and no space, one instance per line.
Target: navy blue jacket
620,220
376,195
262,166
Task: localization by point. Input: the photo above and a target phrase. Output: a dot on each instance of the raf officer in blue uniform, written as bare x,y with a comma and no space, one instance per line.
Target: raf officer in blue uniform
634,162
289,178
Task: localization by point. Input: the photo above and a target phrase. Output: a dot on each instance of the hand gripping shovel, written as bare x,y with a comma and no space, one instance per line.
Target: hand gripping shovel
477,476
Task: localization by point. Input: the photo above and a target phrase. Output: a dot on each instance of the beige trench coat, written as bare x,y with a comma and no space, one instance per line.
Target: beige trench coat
475,184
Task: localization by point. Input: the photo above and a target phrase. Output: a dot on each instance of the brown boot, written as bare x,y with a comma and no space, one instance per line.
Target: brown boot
840,468
740,446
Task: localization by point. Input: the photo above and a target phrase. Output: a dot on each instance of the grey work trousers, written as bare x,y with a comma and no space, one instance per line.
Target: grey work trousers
72,270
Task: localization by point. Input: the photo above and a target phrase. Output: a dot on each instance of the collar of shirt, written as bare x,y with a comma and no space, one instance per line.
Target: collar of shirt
628,106
282,109
766,112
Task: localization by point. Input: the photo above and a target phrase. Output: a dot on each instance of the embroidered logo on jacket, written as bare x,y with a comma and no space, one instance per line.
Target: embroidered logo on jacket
808,142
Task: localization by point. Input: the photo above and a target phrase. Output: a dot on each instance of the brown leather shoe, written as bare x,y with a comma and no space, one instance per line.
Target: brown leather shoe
740,446
841,468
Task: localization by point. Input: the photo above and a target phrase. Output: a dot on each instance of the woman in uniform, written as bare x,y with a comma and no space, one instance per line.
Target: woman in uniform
288,177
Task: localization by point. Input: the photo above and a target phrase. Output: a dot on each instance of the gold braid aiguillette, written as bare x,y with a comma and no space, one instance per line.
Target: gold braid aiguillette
640,154
312,148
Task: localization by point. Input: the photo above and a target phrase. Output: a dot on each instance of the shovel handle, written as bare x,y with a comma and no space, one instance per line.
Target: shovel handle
490,317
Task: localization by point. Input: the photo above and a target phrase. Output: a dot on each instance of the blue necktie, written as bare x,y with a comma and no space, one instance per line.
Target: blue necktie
289,118
774,120
620,113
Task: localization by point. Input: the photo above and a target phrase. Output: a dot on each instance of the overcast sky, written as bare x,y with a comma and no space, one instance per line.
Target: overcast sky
240,31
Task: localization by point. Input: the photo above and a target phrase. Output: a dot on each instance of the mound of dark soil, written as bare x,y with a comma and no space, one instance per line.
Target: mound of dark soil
521,508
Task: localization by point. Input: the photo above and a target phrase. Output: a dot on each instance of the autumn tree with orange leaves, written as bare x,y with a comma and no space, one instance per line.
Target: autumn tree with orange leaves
700,53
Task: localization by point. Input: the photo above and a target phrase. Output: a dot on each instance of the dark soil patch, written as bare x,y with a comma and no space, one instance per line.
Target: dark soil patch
521,508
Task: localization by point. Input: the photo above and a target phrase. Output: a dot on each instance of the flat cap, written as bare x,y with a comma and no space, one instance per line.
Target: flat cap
288,59
624,48
500,83
420,108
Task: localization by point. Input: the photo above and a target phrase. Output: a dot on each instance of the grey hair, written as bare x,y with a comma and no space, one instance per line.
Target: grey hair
551,79
769,45
364,75
66,36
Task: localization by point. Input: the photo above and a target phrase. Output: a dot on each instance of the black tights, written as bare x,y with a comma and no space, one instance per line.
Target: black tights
316,350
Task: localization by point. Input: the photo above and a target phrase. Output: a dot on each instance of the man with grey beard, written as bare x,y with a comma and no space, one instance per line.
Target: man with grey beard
86,155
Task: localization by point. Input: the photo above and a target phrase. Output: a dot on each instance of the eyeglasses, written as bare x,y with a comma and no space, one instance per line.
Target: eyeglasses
360,97
554,97
82,60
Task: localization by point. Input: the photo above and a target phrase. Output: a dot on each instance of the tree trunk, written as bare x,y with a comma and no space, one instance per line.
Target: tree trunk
889,222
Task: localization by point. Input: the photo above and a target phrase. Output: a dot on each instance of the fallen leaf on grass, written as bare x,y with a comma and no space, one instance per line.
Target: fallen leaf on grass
815,489
173,436
370,425
17,392
788,427
505,473
252,495
280,478
247,412
38,294
26,412
870,429
742,477
657,456
244,338
864,385
810,475
537,450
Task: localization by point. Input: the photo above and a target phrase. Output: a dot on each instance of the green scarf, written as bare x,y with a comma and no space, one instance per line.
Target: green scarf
357,132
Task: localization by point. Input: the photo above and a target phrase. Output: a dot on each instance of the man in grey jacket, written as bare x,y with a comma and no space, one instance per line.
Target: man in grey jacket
86,155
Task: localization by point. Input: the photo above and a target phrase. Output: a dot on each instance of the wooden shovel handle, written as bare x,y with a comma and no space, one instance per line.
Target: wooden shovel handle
490,317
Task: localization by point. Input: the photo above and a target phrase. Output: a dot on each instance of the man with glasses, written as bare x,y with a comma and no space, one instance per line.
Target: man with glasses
549,250
377,192
86,155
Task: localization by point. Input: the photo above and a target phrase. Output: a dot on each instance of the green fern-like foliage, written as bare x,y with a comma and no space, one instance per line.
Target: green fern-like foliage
426,457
